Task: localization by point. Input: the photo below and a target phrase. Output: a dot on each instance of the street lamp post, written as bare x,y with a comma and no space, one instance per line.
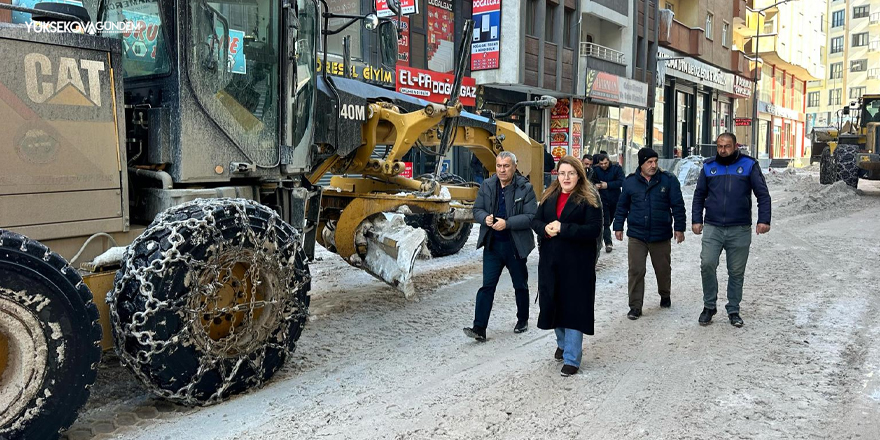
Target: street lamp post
755,75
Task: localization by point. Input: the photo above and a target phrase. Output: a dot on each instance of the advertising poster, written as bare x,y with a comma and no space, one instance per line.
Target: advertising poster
407,170
434,87
407,7
577,127
441,31
559,129
140,45
403,42
486,43
236,61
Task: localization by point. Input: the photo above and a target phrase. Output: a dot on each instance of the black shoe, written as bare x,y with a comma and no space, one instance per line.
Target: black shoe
568,370
608,248
634,314
706,316
558,354
735,320
521,327
665,302
476,332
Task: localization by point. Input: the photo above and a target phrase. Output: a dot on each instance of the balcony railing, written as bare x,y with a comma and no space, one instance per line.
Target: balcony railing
603,53
875,17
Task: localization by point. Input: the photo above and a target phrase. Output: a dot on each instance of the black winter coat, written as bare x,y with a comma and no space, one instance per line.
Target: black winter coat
566,285
613,176
650,207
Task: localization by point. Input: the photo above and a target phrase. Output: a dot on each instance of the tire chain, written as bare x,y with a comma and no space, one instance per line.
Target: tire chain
286,309
847,168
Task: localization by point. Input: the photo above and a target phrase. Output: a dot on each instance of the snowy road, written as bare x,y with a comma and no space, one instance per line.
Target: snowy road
372,365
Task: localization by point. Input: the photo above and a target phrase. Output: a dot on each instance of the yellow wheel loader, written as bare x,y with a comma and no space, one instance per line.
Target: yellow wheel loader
852,151
159,191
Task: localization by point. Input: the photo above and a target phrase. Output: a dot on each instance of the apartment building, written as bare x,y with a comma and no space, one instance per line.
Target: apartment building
852,60
788,40
701,73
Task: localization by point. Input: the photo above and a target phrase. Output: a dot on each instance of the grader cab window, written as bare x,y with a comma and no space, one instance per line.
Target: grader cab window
871,110
144,49
233,67
306,80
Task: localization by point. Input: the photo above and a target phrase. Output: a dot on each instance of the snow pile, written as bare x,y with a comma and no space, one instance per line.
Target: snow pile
814,197
112,256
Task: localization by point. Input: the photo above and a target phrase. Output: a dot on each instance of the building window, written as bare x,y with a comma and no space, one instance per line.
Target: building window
856,92
550,24
861,11
873,73
836,71
860,39
837,45
834,97
569,18
531,16
670,6
822,23
709,19
858,66
837,18
725,29
813,99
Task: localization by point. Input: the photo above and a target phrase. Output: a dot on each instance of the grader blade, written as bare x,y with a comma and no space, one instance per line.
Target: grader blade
392,249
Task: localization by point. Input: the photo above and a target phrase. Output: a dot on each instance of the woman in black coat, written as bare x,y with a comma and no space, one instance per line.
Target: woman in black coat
568,223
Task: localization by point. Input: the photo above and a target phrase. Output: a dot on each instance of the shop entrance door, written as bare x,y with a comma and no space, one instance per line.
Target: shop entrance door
684,118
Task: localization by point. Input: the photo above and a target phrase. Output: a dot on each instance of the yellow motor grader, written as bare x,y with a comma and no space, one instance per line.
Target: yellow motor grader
159,190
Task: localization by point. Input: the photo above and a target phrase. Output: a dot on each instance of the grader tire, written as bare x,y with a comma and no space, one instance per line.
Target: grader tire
445,237
49,340
210,300
827,170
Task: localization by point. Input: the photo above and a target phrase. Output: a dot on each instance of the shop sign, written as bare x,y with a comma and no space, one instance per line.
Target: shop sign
407,170
559,119
406,7
403,42
742,122
694,71
441,31
486,42
610,88
434,86
742,87
775,110
577,126
368,74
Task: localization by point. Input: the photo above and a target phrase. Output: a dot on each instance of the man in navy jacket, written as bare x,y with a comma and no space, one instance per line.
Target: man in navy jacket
650,201
608,178
724,190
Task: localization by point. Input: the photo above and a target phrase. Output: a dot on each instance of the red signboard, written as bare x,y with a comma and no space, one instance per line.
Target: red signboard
486,41
403,42
434,86
407,7
742,122
407,170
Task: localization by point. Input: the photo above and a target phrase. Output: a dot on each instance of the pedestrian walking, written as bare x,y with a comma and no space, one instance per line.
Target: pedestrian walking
504,208
608,178
587,161
649,202
568,223
724,191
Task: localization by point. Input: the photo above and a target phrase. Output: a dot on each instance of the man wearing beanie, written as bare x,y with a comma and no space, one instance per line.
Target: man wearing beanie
608,178
650,201
724,191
